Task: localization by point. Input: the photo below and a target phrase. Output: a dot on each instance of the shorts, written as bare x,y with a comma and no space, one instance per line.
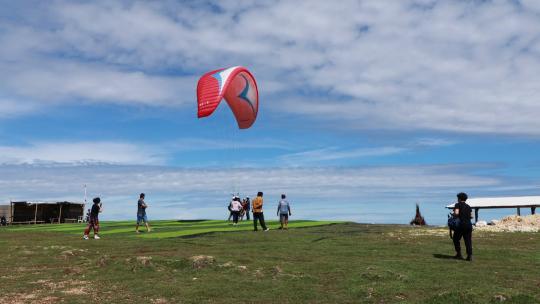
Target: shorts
283,217
141,218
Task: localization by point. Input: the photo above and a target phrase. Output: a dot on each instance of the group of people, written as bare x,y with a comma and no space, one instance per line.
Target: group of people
238,208
459,221
97,208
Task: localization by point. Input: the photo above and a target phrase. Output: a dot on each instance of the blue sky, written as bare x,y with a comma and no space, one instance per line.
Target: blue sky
366,107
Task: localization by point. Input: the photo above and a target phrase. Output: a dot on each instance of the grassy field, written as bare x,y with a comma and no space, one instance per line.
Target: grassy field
332,263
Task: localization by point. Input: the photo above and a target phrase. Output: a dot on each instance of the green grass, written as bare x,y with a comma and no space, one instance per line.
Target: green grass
339,263
163,229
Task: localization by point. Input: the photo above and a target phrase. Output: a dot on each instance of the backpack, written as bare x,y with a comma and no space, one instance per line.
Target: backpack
453,222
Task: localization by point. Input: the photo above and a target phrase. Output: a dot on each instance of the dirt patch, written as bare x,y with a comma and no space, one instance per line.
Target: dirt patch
103,261
202,261
45,287
73,270
23,298
76,291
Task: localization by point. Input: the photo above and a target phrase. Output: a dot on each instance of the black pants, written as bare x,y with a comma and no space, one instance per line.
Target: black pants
247,215
235,215
466,233
260,217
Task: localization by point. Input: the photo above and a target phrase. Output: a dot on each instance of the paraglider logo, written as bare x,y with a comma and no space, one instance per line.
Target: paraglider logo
237,86
244,93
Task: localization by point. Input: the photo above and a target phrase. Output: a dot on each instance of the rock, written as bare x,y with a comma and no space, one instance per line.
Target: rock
499,298
277,270
145,261
202,261
493,222
481,224
514,223
242,268
227,265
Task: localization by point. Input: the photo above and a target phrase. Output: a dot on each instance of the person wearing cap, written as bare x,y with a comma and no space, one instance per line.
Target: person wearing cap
257,207
93,221
463,211
141,213
284,211
229,208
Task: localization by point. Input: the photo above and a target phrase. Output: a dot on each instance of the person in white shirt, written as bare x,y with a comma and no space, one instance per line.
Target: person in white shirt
236,208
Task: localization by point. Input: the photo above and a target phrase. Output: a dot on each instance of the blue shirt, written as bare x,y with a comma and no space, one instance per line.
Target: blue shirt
283,207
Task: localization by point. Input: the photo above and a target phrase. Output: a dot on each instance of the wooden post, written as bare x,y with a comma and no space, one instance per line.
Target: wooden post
533,209
35,215
519,211
475,215
60,215
11,212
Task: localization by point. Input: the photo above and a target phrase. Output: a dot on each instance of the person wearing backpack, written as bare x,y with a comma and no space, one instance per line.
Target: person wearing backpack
257,205
463,229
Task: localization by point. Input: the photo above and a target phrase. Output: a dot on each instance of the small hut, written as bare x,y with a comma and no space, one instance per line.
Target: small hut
35,212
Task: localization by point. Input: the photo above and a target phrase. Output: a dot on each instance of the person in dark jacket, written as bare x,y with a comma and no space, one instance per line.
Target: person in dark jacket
93,222
463,212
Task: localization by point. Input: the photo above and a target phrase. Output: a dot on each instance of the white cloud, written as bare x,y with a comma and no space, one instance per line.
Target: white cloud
196,191
328,154
332,153
406,65
79,152
58,81
10,108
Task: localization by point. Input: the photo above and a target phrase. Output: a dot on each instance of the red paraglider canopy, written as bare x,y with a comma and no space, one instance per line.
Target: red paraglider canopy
237,85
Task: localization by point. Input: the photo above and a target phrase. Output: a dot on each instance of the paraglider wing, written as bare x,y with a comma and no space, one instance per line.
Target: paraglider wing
237,85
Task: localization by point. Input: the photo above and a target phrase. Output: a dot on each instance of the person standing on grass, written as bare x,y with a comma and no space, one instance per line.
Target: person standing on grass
463,211
257,207
229,208
236,208
284,211
93,221
247,207
141,214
